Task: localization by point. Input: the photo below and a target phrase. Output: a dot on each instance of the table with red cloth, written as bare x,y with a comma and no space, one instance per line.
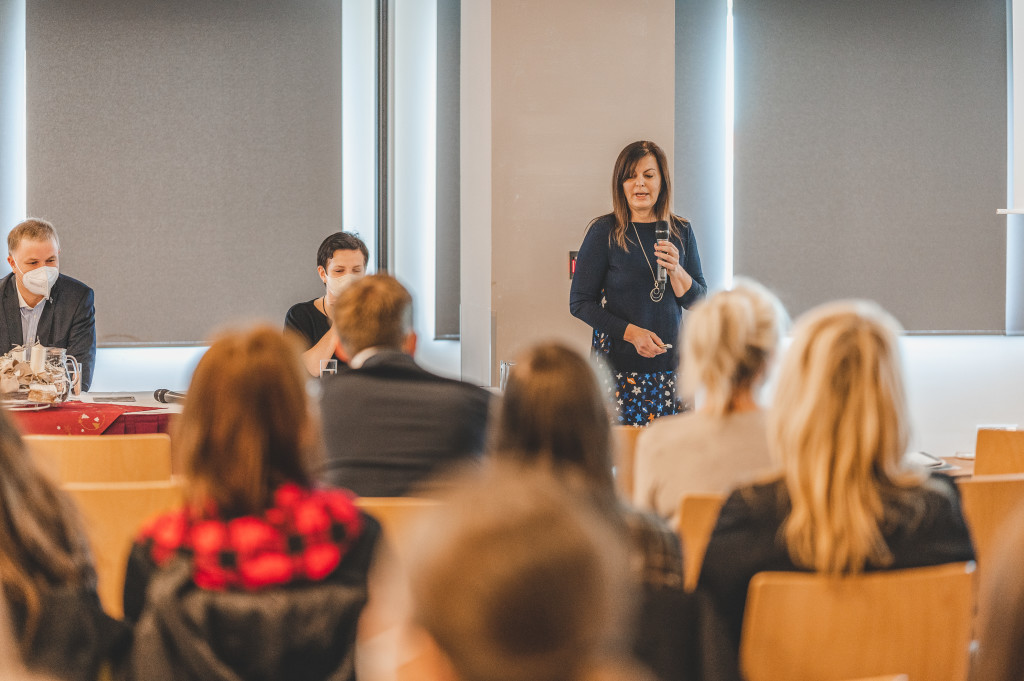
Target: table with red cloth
87,417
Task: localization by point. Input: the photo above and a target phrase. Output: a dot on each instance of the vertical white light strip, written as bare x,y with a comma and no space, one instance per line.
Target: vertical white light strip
415,195
13,189
358,75
729,121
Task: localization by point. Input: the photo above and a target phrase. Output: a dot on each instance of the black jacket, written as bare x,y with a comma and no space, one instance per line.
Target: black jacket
300,631
747,539
73,635
68,322
390,425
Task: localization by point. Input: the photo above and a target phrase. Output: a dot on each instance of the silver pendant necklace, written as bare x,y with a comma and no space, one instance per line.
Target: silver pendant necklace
656,293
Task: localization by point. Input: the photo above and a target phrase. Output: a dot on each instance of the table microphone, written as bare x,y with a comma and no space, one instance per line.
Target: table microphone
661,234
167,396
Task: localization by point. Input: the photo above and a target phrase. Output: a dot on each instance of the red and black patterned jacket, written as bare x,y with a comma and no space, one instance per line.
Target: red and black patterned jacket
268,597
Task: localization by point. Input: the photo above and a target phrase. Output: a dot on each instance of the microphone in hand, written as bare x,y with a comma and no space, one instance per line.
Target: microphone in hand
661,234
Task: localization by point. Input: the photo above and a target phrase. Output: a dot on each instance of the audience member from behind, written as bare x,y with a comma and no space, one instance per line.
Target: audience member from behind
730,340
1000,654
846,501
389,424
340,260
514,579
555,415
47,573
260,575
40,303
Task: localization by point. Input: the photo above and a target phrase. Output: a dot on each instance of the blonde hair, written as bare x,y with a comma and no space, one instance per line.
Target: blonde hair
516,579
373,311
839,427
728,341
32,228
246,427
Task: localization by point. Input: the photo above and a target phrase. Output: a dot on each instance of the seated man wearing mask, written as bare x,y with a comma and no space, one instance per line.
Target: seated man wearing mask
39,303
340,260
390,425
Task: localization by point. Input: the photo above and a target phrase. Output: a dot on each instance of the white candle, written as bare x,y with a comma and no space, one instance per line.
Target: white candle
38,361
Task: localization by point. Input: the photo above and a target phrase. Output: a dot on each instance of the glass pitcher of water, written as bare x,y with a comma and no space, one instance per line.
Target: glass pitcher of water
68,370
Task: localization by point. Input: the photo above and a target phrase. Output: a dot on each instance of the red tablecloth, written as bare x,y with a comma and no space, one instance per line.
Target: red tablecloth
87,418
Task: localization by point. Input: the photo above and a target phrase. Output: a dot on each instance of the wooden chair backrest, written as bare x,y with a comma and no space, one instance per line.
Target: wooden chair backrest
807,627
989,501
625,453
887,677
698,514
102,458
396,514
112,513
997,452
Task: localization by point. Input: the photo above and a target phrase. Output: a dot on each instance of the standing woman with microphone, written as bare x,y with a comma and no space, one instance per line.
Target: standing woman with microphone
631,287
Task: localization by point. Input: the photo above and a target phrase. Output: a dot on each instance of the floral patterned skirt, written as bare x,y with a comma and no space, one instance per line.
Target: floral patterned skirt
639,398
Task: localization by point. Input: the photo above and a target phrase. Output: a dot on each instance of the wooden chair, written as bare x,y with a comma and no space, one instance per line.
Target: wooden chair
999,451
698,514
989,501
806,627
112,513
396,514
102,458
625,453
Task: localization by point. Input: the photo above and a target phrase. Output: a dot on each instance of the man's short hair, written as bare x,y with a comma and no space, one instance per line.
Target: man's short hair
340,241
373,311
33,228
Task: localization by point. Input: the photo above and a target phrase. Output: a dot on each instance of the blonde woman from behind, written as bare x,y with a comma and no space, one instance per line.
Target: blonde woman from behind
730,341
846,500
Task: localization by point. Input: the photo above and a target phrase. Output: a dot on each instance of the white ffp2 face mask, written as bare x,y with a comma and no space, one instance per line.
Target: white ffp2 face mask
335,285
40,280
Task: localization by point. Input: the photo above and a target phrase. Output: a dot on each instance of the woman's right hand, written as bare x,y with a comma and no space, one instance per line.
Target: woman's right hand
646,342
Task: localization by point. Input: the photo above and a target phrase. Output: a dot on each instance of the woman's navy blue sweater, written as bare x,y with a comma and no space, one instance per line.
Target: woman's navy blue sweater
624,281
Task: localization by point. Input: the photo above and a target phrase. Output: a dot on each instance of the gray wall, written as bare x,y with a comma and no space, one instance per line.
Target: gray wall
871,155
189,154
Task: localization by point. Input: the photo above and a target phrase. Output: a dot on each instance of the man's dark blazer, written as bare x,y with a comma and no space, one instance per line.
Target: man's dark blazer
390,425
69,321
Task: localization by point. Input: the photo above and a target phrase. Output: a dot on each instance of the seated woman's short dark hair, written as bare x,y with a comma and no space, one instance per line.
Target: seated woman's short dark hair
340,241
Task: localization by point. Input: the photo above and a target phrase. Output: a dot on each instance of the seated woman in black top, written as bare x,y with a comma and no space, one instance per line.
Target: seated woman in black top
341,258
47,574
846,501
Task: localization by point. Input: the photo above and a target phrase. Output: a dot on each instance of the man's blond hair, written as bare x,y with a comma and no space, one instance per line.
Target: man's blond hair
33,228
375,311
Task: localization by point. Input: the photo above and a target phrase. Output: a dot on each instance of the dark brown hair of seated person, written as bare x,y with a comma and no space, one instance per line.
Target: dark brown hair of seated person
41,540
516,579
246,427
340,241
375,311
554,412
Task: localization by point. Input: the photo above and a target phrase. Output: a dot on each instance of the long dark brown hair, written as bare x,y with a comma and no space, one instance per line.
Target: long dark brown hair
625,166
41,541
554,412
246,426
